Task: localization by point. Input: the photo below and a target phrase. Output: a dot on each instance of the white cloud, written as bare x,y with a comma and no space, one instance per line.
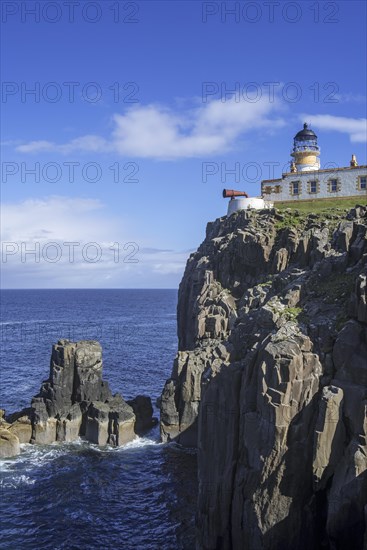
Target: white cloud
36,232
156,132
356,128
55,218
88,143
350,98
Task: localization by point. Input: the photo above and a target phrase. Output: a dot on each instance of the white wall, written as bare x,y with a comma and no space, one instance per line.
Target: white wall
347,185
242,204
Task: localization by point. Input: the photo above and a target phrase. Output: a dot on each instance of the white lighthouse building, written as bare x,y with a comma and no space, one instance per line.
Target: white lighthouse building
307,181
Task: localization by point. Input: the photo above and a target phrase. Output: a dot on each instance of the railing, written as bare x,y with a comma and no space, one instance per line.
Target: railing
305,148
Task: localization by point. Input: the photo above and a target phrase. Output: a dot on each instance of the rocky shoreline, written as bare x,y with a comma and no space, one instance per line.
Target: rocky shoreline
270,380
75,402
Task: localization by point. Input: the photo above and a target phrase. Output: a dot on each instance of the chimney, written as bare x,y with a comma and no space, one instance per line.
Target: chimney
354,162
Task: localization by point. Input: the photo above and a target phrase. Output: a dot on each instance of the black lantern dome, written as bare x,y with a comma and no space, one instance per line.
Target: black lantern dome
305,134
305,140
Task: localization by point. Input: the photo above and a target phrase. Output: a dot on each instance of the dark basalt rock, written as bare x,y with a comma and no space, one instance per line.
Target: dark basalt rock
143,410
270,380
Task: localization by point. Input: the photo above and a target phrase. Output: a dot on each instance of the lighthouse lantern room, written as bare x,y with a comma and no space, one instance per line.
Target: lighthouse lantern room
305,151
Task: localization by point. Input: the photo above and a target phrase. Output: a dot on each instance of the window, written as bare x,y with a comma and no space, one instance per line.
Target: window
278,189
267,190
295,187
333,186
313,186
362,183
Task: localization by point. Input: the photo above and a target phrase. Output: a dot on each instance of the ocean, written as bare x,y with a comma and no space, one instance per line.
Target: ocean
78,495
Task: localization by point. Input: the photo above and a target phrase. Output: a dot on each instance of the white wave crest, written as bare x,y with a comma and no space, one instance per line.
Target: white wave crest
139,442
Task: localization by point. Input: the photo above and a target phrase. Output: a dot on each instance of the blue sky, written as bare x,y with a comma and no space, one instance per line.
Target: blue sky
149,93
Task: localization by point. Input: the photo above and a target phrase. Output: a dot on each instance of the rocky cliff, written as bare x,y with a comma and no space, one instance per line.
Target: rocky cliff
75,402
270,380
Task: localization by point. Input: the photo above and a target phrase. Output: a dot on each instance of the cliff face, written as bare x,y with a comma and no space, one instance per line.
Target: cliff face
270,380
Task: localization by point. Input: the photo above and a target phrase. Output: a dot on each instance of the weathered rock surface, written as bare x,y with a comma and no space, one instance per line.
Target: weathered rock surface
9,444
143,410
75,401
270,380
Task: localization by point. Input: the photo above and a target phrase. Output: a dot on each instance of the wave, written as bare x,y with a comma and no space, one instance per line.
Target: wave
16,481
37,455
137,443
140,442
32,321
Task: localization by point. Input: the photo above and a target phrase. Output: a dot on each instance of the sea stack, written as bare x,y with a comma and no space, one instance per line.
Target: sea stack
74,402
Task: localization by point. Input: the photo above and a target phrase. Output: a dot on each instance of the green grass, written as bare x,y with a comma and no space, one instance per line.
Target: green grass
292,313
266,283
317,206
290,220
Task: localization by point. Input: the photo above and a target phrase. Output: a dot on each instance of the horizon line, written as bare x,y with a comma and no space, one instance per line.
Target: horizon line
96,288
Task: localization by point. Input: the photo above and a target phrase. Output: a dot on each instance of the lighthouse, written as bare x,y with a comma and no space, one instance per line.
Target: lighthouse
305,151
305,181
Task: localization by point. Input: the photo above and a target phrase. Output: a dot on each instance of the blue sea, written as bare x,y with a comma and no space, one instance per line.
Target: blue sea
80,496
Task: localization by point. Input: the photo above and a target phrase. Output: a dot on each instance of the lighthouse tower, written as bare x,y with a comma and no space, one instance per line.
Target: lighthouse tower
305,151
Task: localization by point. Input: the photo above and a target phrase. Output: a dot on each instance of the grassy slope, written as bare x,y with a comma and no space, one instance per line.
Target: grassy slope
321,206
